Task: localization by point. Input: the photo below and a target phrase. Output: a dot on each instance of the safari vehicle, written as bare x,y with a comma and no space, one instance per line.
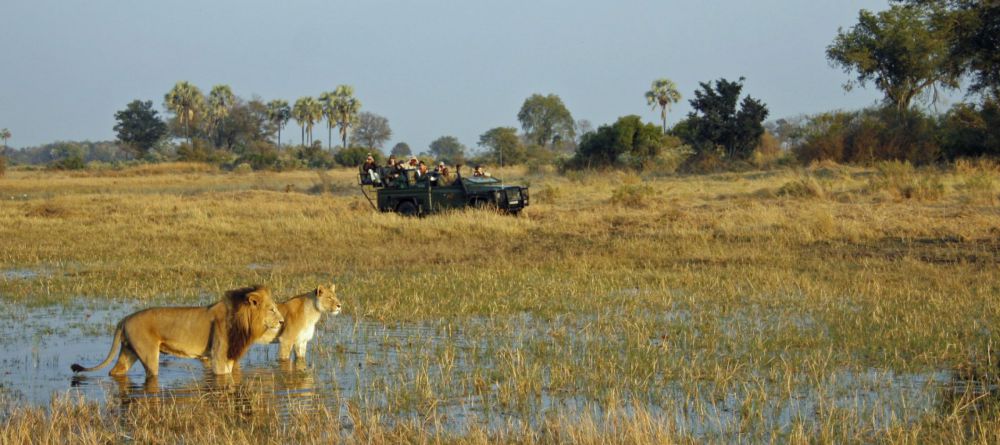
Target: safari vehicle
407,194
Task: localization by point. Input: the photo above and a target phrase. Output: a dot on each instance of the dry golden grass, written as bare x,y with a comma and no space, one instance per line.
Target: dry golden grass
719,284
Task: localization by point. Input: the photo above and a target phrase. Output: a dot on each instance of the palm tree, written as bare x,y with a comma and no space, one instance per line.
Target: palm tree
661,94
5,134
278,112
329,101
300,112
346,108
186,102
315,114
220,101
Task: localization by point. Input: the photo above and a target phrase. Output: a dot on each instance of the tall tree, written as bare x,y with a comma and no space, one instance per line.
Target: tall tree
974,39
901,50
447,149
187,103
139,128
329,102
716,122
503,145
314,111
278,112
663,93
220,102
346,110
300,112
372,130
5,134
401,149
545,120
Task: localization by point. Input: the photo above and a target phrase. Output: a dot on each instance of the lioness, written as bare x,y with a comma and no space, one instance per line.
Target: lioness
222,332
301,314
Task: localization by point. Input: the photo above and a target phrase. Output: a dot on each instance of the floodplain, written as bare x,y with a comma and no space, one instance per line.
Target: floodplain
829,304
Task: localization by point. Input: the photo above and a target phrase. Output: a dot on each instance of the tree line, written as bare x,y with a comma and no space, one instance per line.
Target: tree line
911,52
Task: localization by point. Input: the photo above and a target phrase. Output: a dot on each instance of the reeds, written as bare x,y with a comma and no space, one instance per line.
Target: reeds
789,306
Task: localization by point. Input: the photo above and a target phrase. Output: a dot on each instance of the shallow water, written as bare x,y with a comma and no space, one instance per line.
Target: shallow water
387,364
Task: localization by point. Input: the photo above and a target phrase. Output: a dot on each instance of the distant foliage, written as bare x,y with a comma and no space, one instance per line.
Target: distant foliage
314,156
546,120
717,128
447,149
371,131
868,136
900,50
503,144
627,143
401,149
3,165
67,156
354,156
139,128
970,131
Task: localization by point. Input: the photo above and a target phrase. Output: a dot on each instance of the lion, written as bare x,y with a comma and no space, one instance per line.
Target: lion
301,313
221,332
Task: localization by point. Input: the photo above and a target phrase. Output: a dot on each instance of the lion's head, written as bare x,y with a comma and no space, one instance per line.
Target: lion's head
326,299
253,314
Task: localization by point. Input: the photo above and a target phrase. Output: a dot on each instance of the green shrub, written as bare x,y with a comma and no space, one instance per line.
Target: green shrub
355,156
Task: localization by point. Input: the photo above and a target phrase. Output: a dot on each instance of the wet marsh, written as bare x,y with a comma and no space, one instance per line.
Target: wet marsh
709,309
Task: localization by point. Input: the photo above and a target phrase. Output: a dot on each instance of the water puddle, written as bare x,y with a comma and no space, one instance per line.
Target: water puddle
463,367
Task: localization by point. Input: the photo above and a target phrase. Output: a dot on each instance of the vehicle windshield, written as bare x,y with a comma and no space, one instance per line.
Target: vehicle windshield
481,180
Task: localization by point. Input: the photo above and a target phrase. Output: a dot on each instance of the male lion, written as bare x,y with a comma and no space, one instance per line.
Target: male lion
221,332
301,314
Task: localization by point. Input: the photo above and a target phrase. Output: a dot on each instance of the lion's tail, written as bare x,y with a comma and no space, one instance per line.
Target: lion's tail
119,335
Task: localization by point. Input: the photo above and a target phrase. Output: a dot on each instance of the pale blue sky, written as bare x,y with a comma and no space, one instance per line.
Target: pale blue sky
431,67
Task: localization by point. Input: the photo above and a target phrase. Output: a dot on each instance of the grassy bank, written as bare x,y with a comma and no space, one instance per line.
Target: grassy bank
642,301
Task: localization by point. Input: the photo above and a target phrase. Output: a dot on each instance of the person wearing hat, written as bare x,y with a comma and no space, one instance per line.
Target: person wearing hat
412,165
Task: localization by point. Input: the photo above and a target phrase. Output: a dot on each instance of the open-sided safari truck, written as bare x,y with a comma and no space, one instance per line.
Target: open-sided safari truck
407,193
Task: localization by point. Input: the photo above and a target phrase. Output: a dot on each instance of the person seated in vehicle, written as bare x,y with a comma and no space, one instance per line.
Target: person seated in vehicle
370,174
479,172
369,164
441,169
412,165
421,170
441,173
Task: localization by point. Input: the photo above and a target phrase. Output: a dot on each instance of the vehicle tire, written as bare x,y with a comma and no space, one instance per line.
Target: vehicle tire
407,208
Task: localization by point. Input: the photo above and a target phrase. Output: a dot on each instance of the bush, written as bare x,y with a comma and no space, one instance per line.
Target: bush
869,136
355,156
971,131
243,168
549,194
3,166
626,143
260,155
806,187
314,156
632,195
199,151
902,181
